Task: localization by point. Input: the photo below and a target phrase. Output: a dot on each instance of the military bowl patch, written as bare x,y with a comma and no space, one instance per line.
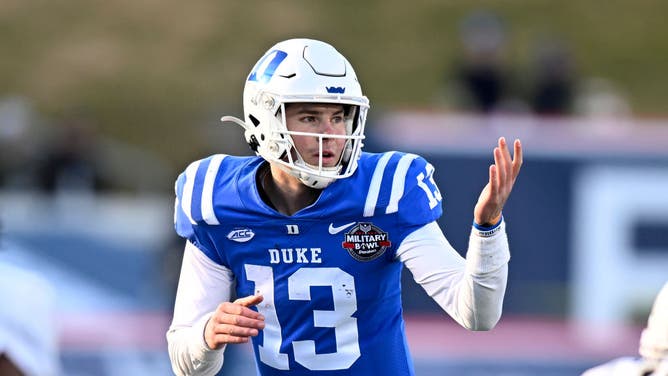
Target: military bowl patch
366,242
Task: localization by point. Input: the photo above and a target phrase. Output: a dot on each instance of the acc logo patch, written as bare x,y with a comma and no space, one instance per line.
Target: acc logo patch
366,242
241,235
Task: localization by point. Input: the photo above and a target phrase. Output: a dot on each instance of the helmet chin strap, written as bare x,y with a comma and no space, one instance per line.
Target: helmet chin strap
313,181
309,179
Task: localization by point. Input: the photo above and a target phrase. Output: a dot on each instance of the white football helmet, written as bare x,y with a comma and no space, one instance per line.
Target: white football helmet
306,71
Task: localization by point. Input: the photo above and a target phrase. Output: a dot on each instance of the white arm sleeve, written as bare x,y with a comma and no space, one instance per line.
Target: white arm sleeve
470,290
203,285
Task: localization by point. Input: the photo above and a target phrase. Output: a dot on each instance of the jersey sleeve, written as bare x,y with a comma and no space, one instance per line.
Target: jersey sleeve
193,204
182,223
420,201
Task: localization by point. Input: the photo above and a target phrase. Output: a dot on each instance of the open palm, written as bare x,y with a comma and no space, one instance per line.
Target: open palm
502,176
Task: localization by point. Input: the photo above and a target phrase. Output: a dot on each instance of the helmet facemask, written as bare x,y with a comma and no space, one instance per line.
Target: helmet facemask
319,176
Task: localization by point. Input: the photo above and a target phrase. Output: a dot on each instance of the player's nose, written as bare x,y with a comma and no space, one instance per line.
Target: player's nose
329,126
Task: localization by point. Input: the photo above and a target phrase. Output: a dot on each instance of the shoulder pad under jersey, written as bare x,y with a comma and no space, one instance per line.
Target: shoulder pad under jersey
195,185
402,184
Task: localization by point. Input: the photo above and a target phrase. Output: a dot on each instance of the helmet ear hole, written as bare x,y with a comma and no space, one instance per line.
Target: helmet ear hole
253,144
253,119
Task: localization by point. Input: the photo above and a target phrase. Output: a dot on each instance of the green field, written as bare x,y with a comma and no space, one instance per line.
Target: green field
148,71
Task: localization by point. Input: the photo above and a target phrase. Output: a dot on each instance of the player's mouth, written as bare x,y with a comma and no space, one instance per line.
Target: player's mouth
329,158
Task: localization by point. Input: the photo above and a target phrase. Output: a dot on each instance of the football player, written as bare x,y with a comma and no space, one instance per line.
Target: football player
311,235
653,360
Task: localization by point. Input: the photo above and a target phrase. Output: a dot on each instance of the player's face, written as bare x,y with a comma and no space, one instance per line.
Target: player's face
320,118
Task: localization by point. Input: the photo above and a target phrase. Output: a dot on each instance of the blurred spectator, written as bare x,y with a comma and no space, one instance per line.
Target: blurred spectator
482,76
552,88
17,140
653,360
69,155
28,331
71,160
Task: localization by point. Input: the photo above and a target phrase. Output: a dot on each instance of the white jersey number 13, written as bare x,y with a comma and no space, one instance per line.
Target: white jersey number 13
299,288
433,194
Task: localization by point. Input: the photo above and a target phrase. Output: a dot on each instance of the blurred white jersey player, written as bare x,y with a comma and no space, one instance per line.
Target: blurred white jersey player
653,360
28,331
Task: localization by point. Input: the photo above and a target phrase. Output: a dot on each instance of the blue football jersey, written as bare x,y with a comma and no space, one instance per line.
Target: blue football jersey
328,274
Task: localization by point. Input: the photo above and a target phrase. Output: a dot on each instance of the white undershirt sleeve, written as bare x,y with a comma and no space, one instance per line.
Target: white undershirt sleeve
470,290
203,285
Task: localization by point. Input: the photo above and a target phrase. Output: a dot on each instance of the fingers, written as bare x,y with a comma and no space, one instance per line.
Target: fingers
510,165
242,321
226,338
506,168
234,322
504,148
249,301
517,158
493,180
500,166
502,175
235,309
238,328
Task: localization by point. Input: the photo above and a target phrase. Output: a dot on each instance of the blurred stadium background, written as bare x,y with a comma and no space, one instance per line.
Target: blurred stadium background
102,104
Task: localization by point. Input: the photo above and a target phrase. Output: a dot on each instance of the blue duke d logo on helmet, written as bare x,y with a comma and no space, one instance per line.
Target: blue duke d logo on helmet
366,242
265,68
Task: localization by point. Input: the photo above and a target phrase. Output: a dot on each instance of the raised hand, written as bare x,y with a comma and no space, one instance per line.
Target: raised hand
234,322
502,175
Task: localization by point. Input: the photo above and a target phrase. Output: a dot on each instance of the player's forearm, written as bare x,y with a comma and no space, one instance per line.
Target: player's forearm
486,276
189,353
470,290
481,304
473,300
